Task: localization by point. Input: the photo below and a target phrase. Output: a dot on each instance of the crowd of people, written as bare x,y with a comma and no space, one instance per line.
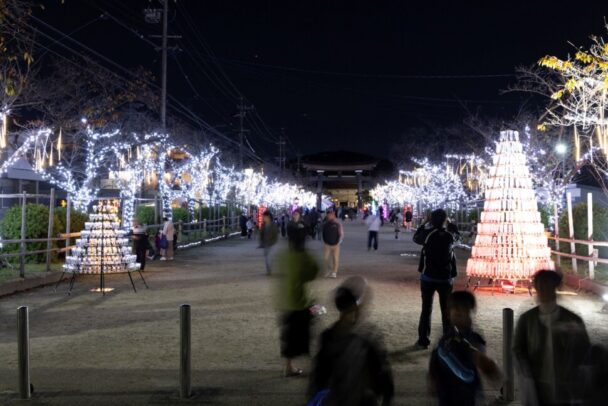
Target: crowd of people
556,363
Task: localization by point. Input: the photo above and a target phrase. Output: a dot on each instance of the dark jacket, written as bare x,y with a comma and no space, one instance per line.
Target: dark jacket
269,234
437,259
570,348
452,368
332,232
352,363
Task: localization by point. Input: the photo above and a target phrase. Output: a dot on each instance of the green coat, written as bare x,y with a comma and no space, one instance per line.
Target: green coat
294,270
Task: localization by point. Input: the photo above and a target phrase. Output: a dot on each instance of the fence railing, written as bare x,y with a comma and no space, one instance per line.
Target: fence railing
188,233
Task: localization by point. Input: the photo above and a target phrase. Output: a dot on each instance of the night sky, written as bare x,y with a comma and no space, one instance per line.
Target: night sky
333,74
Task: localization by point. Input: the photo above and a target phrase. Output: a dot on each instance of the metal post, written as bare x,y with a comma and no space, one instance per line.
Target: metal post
50,230
590,233
571,231
204,228
68,221
223,224
556,233
507,355
23,219
185,364
163,97
23,349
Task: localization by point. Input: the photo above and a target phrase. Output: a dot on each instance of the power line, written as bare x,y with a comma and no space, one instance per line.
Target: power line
183,109
364,75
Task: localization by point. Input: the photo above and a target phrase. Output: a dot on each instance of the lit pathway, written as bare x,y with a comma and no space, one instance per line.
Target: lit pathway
123,349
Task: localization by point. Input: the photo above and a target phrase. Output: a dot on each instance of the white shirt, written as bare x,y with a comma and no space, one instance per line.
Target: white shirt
373,222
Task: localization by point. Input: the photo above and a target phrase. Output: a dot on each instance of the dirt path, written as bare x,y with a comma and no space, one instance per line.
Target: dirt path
123,349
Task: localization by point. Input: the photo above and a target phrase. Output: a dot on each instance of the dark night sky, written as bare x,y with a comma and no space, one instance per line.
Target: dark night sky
328,71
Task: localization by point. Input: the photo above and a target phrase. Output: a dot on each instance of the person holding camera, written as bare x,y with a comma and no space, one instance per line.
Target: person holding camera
437,270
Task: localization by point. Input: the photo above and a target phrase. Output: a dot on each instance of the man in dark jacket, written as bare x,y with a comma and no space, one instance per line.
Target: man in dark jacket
437,268
550,347
332,238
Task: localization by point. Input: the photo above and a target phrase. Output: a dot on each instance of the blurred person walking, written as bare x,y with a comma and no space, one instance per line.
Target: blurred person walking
269,235
550,347
295,268
398,224
409,216
437,269
373,226
459,360
166,240
351,368
333,234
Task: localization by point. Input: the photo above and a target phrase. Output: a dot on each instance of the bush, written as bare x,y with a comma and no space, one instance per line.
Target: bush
36,226
77,220
145,214
579,219
545,215
180,214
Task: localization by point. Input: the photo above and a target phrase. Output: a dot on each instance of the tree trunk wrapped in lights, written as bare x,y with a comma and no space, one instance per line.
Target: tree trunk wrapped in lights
510,242
102,244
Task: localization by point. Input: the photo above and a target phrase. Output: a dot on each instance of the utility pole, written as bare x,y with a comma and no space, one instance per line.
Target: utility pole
281,144
163,97
153,16
243,109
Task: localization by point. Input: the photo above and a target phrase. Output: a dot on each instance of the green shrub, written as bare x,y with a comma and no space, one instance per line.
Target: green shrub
145,214
579,219
36,226
77,220
545,215
180,214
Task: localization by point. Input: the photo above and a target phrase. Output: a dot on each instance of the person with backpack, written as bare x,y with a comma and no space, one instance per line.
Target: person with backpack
332,238
459,360
351,367
437,269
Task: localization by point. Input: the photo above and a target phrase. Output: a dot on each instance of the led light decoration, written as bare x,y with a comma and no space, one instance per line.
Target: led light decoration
4,129
102,245
510,242
434,186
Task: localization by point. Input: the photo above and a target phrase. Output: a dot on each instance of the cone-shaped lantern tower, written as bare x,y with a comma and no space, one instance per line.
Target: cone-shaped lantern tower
511,243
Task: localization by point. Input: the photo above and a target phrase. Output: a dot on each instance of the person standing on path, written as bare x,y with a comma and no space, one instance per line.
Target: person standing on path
295,269
167,233
243,224
437,269
352,366
333,234
409,216
269,234
373,226
550,346
140,242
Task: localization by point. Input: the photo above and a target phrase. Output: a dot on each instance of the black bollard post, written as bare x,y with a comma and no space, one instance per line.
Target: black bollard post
507,355
185,377
23,348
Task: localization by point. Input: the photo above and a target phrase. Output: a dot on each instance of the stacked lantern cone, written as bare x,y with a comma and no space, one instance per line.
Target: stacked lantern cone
102,245
511,243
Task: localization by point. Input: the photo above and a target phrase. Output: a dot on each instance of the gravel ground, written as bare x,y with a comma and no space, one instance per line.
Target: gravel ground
123,349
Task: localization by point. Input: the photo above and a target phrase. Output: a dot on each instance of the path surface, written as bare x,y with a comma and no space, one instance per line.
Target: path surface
123,349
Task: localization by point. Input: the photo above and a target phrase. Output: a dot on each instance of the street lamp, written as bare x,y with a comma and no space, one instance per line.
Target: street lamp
561,149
